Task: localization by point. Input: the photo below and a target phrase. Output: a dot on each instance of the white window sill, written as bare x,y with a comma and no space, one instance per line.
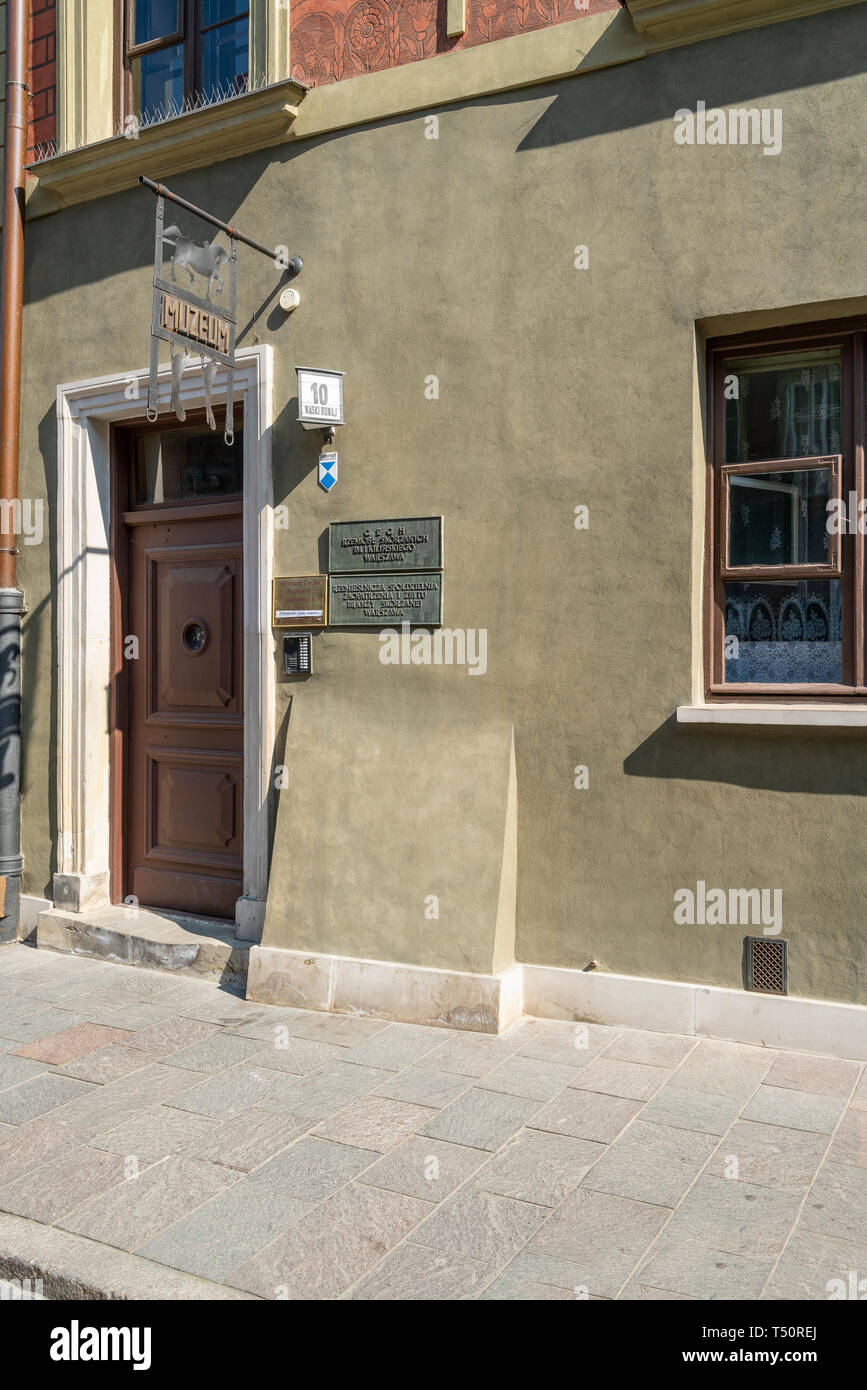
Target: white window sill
789,716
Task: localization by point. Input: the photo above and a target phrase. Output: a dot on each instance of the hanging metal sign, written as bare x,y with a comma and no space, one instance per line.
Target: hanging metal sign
192,310
194,326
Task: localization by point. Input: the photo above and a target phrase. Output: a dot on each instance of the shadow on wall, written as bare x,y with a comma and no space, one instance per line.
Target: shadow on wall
730,71
38,762
733,71
69,249
818,762
295,452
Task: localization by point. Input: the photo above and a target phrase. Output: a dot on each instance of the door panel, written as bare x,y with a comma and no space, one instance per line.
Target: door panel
193,612
195,807
185,769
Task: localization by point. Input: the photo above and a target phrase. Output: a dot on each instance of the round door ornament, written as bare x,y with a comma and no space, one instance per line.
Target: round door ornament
195,636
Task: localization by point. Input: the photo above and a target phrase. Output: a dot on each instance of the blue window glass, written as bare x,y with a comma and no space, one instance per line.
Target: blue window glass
224,58
158,82
155,19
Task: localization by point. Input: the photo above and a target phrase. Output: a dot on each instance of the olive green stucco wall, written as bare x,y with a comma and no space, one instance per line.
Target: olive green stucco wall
557,387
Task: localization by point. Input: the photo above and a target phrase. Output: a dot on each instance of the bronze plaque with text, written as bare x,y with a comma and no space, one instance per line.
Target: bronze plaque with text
385,600
409,543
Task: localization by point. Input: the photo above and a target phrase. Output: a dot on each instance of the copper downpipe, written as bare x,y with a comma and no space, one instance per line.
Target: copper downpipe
12,271
11,599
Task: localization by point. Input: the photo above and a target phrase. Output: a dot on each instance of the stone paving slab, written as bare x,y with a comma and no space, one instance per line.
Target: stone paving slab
73,1268
425,1168
224,1232
30,1099
247,1139
424,1086
109,1063
613,1077
587,1115
481,1226
413,1272
64,1183
150,1135
135,1210
38,1022
25,1147
770,1155
777,1105
651,1163
214,1053
312,1169
333,1247
14,1069
298,1057
374,1122
102,1107
226,1094
323,1092
602,1236
481,1119
694,1270
539,1167
71,1043
168,1138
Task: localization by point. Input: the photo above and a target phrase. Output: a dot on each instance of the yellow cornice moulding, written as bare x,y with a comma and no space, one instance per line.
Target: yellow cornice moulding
669,23
224,131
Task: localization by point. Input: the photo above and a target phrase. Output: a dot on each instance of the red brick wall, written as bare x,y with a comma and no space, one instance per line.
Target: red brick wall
42,77
333,39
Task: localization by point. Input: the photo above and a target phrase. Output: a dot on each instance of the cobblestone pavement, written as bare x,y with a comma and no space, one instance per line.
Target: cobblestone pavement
291,1154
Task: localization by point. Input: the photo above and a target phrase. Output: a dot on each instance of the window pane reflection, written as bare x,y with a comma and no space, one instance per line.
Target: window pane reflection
183,464
154,19
224,59
787,406
158,82
779,518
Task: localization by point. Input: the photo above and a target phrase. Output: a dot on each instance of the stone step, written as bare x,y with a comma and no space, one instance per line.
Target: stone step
53,1264
190,946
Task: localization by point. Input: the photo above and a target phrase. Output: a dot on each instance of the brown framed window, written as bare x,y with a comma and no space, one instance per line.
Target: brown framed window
181,53
787,515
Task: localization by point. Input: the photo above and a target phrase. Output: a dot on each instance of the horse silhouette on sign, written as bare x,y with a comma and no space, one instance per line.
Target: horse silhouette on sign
203,258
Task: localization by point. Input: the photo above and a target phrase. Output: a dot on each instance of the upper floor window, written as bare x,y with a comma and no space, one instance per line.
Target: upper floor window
787,542
183,53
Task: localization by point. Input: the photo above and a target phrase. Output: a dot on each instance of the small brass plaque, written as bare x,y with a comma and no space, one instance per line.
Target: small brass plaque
300,600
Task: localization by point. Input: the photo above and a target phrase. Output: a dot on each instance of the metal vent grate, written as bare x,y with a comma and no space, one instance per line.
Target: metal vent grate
767,965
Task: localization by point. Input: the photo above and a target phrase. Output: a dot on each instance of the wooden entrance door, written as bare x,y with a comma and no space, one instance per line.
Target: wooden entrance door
183,805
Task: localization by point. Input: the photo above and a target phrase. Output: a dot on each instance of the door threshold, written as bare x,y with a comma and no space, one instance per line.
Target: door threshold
201,947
